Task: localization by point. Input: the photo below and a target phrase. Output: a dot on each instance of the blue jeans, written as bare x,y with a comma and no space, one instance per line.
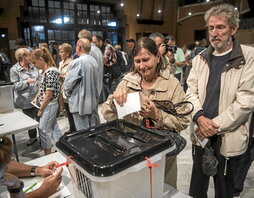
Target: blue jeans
48,126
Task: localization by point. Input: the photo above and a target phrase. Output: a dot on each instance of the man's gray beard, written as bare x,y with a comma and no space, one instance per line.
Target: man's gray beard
223,46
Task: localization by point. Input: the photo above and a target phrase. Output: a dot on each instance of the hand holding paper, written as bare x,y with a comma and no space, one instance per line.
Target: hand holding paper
132,105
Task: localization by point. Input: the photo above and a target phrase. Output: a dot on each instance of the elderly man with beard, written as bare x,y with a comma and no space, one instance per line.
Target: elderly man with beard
222,92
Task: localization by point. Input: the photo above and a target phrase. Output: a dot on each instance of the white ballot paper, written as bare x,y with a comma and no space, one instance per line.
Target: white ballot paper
132,105
201,142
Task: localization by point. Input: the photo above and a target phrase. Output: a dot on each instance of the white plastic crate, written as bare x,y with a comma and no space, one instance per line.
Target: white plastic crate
133,182
6,98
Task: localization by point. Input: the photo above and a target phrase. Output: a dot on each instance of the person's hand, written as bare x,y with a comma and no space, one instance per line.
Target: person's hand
171,57
206,126
120,95
39,113
46,170
10,180
30,80
162,49
49,185
62,76
199,134
34,100
149,110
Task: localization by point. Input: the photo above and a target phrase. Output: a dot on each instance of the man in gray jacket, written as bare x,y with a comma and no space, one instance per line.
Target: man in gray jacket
94,52
222,92
82,86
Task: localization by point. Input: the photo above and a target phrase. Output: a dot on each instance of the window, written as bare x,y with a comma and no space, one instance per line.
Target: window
97,33
37,11
27,36
82,14
113,36
38,33
54,12
107,15
60,20
69,13
95,14
62,36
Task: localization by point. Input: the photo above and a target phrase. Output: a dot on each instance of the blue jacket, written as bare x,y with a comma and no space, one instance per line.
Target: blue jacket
81,85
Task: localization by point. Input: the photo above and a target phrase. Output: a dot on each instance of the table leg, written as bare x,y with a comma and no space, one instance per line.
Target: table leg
15,147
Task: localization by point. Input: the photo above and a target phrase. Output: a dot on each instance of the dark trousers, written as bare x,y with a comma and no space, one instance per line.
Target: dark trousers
70,117
223,184
32,113
242,169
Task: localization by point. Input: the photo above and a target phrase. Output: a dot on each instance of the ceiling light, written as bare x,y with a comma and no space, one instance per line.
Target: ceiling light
159,11
122,4
189,13
138,15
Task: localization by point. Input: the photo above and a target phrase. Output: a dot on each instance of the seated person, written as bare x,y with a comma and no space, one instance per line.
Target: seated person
10,171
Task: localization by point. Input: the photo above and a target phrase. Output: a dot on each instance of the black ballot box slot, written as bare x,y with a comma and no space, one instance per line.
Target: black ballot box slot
112,147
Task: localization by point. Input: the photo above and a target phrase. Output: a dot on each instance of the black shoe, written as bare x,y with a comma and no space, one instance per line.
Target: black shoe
31,141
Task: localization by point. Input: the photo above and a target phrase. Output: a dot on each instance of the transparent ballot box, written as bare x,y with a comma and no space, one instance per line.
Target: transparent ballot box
109,160
6,97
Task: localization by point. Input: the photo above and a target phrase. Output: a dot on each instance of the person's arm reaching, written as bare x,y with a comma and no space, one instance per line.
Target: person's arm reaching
24,170
48,187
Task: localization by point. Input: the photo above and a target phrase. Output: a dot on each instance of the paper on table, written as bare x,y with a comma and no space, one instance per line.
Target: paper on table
132,105
61,192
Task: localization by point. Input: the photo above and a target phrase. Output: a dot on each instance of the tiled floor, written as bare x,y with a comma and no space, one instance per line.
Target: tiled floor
184,161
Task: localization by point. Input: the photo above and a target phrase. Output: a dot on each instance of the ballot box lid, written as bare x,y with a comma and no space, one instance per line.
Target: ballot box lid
110,148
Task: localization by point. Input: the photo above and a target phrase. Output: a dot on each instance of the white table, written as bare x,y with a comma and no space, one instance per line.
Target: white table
41,161
15,122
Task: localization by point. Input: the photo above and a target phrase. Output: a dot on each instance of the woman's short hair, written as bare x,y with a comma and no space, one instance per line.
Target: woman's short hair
150,45
67,48
20,52
232,14
5,151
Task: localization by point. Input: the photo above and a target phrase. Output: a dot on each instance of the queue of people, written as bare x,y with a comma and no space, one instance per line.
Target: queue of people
219,85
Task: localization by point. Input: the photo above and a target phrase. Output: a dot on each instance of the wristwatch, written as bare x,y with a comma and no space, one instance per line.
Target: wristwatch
17,190
32,173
